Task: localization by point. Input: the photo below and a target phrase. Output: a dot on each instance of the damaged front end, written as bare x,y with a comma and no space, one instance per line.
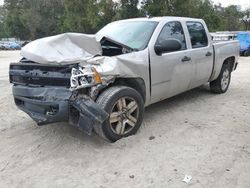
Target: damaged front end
61,77
50,94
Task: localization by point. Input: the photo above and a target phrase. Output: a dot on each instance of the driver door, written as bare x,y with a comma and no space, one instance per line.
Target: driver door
171,72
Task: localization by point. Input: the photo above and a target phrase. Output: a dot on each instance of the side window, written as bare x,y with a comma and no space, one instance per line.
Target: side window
172,30
197,34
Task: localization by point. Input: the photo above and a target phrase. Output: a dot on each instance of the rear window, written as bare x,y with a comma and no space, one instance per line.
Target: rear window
197,34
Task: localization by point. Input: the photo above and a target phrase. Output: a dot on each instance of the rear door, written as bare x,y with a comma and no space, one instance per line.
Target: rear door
201,53
171,72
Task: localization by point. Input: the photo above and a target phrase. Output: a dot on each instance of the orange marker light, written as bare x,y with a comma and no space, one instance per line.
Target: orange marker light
97,76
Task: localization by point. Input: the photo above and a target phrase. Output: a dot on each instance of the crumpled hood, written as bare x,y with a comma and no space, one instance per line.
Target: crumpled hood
67,48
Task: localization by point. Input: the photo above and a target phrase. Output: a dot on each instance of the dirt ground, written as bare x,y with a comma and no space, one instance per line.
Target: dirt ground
196,133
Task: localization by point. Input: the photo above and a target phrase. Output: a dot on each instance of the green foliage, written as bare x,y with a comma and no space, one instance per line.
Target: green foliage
80,16
3,33
107,12
207,12
14,25
26,19
231,18
190,8
128,9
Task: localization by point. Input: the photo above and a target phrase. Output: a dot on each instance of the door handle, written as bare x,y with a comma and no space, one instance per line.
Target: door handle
186,58
209,54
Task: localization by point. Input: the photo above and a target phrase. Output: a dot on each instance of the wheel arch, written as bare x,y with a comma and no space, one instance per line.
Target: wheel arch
219,64
230,61
221,84
136,83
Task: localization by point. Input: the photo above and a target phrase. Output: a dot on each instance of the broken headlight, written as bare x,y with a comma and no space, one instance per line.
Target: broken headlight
83,77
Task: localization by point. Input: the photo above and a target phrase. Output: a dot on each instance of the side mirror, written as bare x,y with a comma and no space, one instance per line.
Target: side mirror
169,45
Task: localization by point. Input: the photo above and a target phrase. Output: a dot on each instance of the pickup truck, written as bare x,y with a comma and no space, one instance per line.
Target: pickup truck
101,83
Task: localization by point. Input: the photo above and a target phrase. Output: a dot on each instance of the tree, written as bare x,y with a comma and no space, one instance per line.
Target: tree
190,8
231,17
14,25
186,8
128,9
30,17
155,7
33,19
80,16
52,13
246,19
3,33
207,11
27,19
107,10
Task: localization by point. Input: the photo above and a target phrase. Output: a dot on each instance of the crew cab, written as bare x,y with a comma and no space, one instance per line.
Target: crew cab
101,83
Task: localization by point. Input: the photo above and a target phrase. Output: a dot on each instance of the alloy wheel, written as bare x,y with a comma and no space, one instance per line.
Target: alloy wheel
124,116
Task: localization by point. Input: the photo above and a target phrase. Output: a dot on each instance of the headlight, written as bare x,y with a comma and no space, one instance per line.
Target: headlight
83,77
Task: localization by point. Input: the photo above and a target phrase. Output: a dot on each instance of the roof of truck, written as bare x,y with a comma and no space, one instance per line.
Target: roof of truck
158,19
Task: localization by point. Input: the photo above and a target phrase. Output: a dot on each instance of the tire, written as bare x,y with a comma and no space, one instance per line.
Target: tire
246,53
125,107
221,84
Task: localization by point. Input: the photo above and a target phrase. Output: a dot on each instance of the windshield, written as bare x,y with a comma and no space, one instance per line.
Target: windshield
134,34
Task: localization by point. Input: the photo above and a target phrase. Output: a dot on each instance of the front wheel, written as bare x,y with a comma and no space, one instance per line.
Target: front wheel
221,84
125,107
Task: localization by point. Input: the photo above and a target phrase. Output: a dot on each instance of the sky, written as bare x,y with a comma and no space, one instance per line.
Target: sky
243,3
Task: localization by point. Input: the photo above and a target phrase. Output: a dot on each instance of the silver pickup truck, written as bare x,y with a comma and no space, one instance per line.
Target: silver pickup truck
102,82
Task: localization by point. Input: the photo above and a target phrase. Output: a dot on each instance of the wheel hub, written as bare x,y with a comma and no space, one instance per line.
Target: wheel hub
225,79
124,115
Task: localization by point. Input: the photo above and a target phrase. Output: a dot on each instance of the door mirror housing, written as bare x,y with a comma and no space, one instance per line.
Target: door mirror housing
169,45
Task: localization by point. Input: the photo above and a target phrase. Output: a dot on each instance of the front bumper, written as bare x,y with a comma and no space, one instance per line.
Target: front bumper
47,105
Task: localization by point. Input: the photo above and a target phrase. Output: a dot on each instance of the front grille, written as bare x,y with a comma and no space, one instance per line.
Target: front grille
32,74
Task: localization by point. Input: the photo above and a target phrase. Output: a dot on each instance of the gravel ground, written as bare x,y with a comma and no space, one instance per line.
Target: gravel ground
197,133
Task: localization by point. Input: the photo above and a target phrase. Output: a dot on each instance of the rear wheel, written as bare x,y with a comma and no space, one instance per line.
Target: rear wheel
246,53
221,84
125,107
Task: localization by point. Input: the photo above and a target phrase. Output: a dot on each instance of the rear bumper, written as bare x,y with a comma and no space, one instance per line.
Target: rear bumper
47,105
